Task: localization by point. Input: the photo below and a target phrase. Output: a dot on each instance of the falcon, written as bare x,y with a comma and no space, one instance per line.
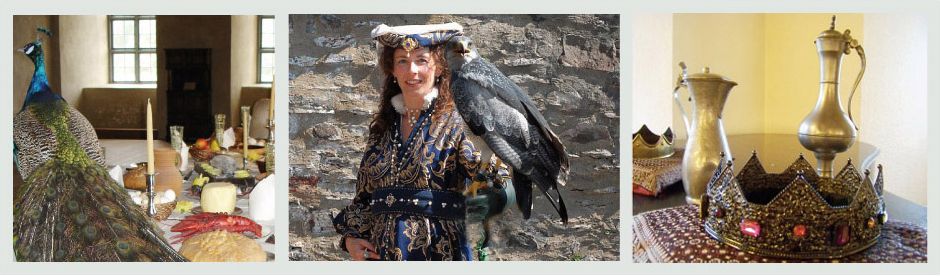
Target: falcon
499,118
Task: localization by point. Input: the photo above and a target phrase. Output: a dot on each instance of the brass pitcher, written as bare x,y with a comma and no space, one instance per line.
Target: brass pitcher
828,130
707,143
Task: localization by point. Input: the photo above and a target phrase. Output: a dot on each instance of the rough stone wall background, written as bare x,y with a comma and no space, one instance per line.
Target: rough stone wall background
568,64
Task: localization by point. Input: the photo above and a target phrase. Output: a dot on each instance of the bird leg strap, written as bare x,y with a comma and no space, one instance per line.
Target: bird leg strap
483,246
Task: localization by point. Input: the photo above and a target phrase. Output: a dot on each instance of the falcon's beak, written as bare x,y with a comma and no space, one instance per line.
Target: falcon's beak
464,47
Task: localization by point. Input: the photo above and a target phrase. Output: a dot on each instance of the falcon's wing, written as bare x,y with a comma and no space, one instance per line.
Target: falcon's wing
499,111
488,92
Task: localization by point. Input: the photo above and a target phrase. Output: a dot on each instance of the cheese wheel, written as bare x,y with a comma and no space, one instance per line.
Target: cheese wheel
222,246
218,197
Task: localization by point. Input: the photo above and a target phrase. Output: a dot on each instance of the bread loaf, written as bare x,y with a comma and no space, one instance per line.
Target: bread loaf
222,246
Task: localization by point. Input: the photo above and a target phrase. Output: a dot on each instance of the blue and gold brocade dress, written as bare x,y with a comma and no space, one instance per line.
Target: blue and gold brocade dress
420,213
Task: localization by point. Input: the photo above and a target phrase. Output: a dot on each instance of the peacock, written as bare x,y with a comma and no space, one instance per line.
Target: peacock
69,208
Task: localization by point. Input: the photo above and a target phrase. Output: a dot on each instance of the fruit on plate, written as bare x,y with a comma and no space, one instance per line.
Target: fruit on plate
201,180
255,154
214,146
242,174
198,183
183,206
211,171
202,144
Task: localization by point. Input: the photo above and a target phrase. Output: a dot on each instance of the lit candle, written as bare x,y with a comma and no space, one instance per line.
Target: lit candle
149,138
245,113
271,104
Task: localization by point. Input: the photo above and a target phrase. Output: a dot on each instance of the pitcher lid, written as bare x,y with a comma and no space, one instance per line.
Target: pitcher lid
707,75
831,33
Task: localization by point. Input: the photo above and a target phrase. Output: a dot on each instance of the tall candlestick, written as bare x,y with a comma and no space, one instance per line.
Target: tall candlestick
271,104
150,168
246,111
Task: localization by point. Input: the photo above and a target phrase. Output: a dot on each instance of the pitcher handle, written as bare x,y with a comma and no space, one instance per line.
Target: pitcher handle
675,96
853,44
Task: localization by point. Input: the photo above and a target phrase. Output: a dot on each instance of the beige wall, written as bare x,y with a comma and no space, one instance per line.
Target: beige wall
732,46
244,59
894,101
24,31
652,72
791,67
84,41
214,32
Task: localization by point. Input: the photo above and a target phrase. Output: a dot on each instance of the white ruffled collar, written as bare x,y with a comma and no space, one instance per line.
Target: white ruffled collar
398,101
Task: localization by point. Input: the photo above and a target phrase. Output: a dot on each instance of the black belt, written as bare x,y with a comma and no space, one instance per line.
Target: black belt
424,202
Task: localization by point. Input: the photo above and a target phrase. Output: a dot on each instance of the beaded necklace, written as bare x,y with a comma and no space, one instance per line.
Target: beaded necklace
398,152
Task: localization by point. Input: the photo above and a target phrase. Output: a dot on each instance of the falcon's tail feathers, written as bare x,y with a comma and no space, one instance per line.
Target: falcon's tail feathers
523,187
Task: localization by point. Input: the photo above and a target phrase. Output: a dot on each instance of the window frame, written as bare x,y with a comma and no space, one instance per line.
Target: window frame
262,50
136,50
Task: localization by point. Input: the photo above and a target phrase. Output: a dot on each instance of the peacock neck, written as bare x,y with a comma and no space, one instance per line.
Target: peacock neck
39,86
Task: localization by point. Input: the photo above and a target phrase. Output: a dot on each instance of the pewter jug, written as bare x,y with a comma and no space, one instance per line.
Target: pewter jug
829,130
707,143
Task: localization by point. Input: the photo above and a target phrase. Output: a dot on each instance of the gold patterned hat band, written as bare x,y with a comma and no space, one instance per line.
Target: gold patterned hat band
410,37
649,145
794,214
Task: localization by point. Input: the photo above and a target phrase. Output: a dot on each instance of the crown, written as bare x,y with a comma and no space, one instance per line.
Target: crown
794,214
648,145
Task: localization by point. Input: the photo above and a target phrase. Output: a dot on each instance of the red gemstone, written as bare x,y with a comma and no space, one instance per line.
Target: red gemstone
719,212
840,234
799,230
750,228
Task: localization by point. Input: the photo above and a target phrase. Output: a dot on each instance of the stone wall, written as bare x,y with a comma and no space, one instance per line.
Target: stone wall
568,64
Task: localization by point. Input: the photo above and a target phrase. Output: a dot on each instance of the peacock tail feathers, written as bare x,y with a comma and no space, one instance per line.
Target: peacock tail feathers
75,212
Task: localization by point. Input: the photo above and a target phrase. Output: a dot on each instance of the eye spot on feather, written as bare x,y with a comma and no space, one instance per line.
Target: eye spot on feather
59,227
123,247
59,255
33,214
90,232
81,219
72,205
107,211
50,192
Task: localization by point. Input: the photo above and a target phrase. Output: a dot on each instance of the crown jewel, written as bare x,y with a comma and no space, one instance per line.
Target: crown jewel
794,214
648,145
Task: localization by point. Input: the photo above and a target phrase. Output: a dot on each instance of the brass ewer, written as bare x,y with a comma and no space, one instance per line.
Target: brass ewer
828,130
707,143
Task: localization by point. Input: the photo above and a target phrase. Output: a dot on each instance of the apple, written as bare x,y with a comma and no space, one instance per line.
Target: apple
202,144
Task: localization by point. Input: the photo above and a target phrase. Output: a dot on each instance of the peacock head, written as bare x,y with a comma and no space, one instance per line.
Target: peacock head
33,49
